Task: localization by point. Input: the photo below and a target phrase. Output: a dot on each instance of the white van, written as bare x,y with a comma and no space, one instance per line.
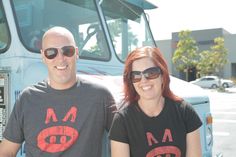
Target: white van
105,31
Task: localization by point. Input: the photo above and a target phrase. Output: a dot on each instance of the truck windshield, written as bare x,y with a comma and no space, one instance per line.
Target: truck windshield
126,25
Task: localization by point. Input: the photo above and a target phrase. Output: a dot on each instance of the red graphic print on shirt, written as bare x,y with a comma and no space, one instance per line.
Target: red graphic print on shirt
58,138
162,150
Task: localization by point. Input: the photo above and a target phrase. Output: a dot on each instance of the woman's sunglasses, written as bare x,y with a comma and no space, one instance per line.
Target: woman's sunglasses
150,73
67,51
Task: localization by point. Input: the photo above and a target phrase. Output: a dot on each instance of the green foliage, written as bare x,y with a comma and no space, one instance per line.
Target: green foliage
220,54
185,55
206,65
214,60
208,62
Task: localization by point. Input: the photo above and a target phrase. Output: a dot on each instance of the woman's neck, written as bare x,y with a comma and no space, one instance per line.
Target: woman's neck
152,108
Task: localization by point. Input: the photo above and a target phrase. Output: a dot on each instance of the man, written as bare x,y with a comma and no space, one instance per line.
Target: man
63,115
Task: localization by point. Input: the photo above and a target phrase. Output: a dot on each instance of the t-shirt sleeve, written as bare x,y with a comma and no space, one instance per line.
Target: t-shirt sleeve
13,131
118,131
191,118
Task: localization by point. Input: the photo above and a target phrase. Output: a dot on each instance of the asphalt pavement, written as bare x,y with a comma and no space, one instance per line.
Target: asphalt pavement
223,108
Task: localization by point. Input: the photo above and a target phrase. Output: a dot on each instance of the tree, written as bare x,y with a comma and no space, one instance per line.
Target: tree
214,60
185,56
220,54
205,65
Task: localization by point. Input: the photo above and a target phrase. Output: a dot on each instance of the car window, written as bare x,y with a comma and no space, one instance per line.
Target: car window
210,79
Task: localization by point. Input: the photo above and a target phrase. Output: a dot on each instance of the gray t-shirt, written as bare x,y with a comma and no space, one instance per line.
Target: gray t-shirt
68,123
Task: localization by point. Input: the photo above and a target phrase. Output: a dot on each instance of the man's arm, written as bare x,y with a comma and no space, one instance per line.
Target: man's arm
8,148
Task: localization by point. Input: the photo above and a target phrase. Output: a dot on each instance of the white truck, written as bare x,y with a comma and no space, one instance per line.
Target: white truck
105,31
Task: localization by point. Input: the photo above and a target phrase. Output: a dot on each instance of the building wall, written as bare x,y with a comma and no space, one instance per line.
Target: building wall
165,47
230,44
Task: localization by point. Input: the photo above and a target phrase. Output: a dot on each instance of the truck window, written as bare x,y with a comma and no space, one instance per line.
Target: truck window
4,35
34,17
127,25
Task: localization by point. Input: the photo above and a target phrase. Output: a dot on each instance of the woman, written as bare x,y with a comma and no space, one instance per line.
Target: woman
155,123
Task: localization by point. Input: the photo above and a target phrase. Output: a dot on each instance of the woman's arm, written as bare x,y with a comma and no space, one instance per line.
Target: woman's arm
119,149
8,148
194,144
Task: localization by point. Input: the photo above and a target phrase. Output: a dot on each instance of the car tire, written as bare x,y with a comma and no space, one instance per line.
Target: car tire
225,85
214,86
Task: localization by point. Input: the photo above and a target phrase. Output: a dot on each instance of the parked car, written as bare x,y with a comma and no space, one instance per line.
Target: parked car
212,82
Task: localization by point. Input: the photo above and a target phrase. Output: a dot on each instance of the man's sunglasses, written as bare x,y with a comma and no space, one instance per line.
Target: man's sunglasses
67,51
150,73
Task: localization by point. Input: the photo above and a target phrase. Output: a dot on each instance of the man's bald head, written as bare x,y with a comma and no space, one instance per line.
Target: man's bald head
58,32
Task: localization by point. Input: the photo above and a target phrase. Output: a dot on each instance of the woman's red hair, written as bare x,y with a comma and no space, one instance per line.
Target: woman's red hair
130,95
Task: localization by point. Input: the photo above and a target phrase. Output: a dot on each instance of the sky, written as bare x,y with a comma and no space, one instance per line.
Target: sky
176,15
